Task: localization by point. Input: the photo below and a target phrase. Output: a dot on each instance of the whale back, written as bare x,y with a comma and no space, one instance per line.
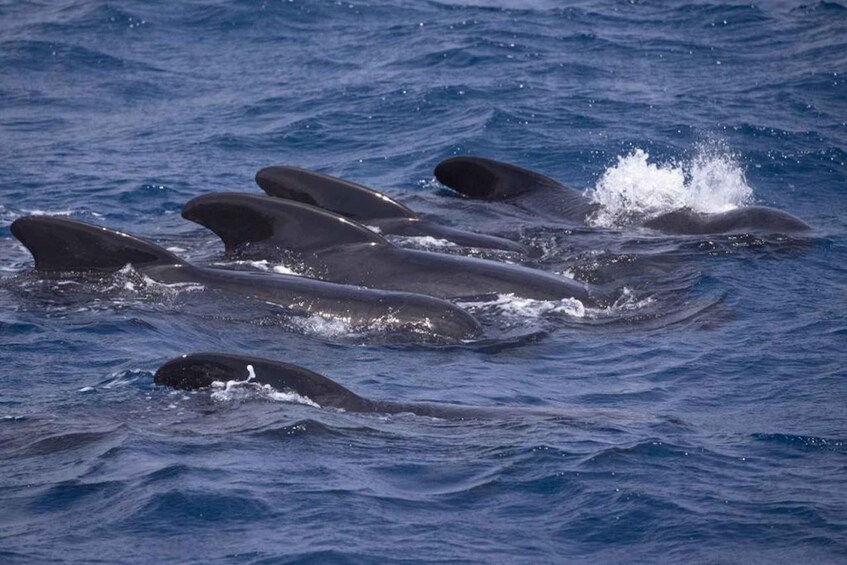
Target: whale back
62,244
202,370
750,219
245,220
485,179
337,195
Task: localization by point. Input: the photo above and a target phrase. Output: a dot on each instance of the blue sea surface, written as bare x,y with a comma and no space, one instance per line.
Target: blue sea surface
702,419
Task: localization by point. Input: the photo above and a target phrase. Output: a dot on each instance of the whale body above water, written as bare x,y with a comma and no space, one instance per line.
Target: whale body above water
63,245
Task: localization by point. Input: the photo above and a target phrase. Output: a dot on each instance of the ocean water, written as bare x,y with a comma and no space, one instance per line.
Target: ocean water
703,418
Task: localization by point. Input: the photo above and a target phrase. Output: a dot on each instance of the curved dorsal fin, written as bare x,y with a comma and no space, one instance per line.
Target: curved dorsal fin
62,244
200,370
486,179
243,219
341,196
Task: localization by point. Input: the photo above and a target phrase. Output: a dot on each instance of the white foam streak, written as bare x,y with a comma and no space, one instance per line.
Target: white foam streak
635,189
512,305
425,242
316,324
129,279
264,265
233,390
283,270
39,212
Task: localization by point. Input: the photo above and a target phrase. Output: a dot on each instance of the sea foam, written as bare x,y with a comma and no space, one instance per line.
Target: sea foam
634,189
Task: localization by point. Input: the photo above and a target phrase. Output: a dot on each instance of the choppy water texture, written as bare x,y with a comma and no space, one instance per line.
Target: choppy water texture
703,418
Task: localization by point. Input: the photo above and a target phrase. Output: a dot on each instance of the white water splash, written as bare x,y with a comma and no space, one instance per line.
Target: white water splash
334,327
40,212
236,390
283,270
512,306
263,265
635,189
516,306
424,242
131,280
327,327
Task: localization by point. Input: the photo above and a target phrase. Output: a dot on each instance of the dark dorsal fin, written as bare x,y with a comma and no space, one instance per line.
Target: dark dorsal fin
343,197
61,244
486,179
243,219
200,370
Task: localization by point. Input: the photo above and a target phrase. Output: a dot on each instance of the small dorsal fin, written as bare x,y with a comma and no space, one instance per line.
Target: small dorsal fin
243,219
341,196
62,244
486,179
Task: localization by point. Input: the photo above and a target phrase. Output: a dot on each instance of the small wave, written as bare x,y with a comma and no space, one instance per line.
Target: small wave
636,189
33,55
806,443
118,379
308,427
192,507
74,441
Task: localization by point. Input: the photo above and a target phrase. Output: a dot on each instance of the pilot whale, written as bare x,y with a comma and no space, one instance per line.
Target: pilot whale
367,206
340,250
62,245
222,370
205,370
486,179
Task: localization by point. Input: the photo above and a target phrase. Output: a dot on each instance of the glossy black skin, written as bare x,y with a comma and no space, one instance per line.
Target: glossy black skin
339,250
60,244
200,370
367,206
486,179
750,219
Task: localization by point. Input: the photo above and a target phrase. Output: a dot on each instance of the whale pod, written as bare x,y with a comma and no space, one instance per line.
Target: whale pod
61,244
487,179
340,250
367,206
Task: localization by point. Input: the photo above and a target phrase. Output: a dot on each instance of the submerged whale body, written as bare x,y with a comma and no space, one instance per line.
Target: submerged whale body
61,245
486,179
206,370
340,250
367,206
